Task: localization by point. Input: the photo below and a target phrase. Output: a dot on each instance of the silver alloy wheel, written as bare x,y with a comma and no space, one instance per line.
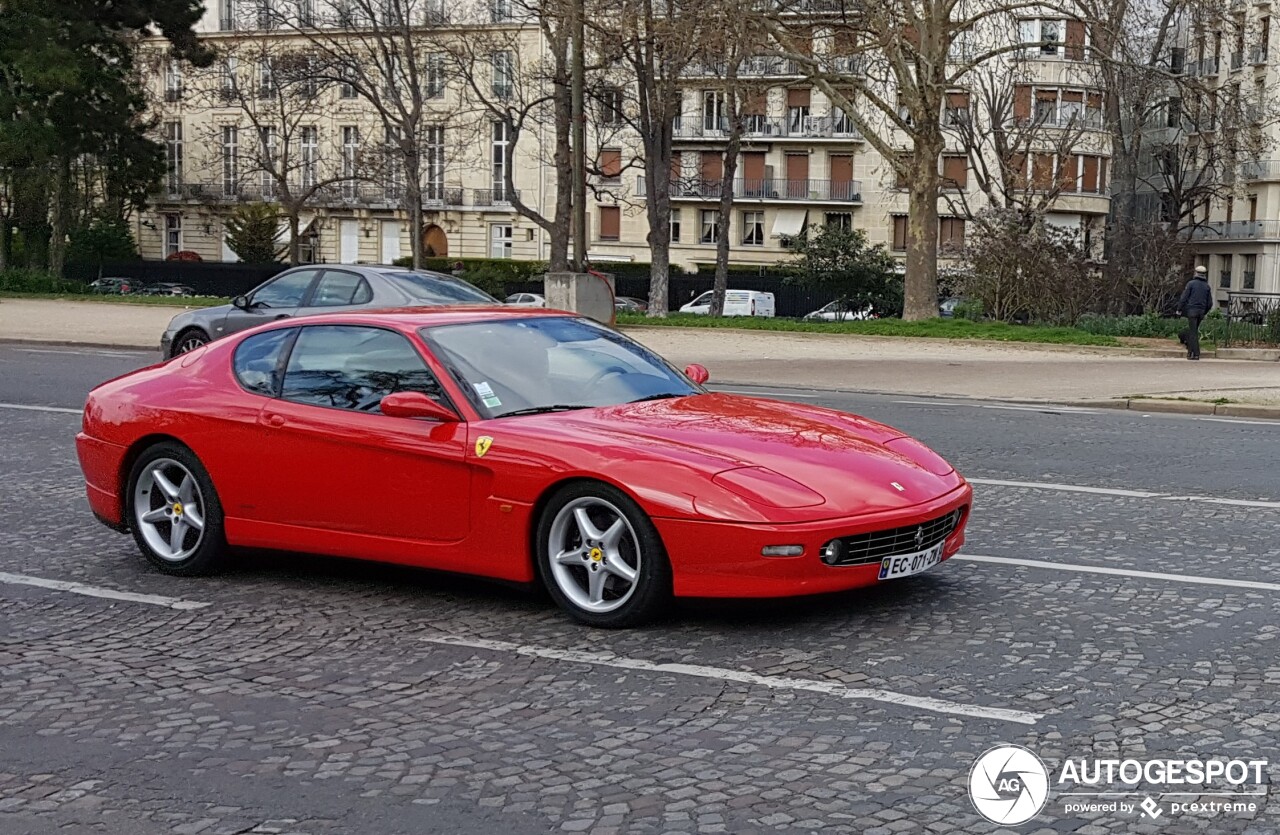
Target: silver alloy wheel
189,343
594,555
168,509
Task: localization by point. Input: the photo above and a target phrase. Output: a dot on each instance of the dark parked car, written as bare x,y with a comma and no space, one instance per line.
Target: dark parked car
167,288
112,286
313,289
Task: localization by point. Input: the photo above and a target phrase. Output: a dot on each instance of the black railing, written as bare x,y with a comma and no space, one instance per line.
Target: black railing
1252,319
772,188
492,196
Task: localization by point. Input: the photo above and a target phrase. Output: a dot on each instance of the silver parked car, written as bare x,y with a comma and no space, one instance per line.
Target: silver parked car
313,289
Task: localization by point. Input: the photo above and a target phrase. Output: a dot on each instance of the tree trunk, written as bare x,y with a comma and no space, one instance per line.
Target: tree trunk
295,245
58,219
6,237
729,169
562,219
921,279
413,197
658,208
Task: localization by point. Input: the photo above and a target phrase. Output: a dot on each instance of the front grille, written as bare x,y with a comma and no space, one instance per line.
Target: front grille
871,548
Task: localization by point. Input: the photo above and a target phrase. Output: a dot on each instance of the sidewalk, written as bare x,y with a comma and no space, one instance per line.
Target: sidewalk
908,366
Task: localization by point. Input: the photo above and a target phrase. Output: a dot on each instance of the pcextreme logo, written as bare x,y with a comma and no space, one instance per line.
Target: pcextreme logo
1008,785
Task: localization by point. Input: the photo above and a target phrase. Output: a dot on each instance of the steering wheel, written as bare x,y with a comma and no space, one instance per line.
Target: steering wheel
368,404
601,374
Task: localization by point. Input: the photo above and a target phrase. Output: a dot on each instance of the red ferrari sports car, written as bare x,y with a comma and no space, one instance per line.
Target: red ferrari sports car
520,444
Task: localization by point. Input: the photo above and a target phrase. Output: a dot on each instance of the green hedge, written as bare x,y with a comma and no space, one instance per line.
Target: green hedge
37,281
1153,327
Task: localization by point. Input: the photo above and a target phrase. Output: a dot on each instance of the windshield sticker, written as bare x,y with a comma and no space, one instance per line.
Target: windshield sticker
486,395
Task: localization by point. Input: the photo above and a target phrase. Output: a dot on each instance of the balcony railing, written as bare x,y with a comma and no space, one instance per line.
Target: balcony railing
758,127
1236,230
492,196
762,65
332,195
1204,68
833,191
1237,60
1258,55
226,21
1260,169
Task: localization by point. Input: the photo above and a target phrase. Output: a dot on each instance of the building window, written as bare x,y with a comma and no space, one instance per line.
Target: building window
346,89
173,156
838,220
269,139
611,164
1043,37
957,112
1224,273
172,81
266,15
227,15
350,160
437,12
611,106
500,11
435,162
955,171
710,226
266,79
230,160
713,120
435,75
951,234
501,147
503,74
172,234
753,228
610,223
393,184
899,232
1250,272
675,226
798,123
229,86
499,240
308,154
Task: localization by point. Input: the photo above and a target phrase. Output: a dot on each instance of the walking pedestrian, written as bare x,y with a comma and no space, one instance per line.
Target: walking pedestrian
1194,303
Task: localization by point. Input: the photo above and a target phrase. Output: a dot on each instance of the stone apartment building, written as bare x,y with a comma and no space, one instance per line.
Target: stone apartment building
803,162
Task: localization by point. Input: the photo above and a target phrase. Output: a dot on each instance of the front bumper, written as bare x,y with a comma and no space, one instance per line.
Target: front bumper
723,559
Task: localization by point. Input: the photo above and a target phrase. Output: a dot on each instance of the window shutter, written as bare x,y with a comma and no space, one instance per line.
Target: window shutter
1022,102
611,163
1075,40
955,171
610,223
1089,177
958,101
712,167
798,97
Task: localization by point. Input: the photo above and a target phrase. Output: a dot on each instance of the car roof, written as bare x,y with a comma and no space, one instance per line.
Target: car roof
409,318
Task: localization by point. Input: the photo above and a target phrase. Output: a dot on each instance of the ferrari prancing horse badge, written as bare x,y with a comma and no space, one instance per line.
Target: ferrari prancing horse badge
482,445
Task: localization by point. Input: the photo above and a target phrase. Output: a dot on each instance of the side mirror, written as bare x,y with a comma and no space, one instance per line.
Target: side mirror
241,302
415,404
697,373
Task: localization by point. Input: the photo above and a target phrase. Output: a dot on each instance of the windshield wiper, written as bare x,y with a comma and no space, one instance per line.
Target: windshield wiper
667,395
540,410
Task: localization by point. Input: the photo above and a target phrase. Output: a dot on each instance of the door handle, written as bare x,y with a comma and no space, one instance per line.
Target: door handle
275,420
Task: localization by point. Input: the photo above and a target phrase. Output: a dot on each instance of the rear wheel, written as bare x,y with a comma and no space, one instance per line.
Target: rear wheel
188,341
174,512
601,558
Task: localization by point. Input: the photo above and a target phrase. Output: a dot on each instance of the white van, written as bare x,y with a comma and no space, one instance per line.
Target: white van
736,303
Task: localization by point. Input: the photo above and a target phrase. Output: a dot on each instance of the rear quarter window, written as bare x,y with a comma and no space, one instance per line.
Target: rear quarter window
256,362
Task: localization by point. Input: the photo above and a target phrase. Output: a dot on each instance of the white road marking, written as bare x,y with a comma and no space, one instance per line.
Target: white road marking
27,408
1194,579
96,591
83,353
1239,420
1114,491
765,393
830,688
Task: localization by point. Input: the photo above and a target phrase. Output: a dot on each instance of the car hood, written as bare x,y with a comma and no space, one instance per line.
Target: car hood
770,453
209,318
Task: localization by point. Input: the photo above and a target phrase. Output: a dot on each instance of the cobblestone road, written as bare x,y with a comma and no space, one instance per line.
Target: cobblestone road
322,696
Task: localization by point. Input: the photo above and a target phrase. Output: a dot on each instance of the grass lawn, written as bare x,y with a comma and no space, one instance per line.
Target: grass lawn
163,301
934,328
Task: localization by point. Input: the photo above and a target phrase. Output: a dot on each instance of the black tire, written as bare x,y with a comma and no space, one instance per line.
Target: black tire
652,593
208,553
188,340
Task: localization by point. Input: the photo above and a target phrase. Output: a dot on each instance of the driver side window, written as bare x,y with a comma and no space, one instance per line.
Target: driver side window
287,290
349,367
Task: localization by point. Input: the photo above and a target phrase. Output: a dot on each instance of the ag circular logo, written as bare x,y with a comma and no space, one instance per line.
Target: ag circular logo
1008,785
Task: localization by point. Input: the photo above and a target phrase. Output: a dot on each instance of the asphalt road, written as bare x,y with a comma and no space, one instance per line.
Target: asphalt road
1120,597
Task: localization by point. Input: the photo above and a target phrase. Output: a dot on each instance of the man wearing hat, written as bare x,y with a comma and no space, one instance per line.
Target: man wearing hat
1196,301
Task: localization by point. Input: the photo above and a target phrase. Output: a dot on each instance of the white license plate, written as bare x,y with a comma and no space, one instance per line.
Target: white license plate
907,564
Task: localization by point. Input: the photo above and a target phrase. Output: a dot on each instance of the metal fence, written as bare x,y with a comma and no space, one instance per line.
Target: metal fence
1253,319
206,278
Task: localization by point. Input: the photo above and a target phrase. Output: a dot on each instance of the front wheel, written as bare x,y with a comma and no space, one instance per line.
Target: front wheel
188,341
601,558
174,512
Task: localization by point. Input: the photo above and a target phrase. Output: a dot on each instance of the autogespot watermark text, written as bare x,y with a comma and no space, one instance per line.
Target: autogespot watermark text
1010,785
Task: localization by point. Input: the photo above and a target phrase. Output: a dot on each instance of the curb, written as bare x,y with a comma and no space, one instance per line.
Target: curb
1183,407
73,343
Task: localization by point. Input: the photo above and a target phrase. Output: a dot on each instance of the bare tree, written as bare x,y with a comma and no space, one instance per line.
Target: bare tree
650,44
278,95
910,54
526,92
387,53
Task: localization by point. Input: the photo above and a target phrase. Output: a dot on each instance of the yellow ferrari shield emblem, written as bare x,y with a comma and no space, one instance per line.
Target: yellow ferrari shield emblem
596,554
482,445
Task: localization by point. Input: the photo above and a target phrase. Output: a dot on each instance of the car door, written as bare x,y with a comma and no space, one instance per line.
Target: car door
331,461
337,290
279,298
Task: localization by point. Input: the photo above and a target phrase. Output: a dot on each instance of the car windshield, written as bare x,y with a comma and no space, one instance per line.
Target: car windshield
550,363
440,289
